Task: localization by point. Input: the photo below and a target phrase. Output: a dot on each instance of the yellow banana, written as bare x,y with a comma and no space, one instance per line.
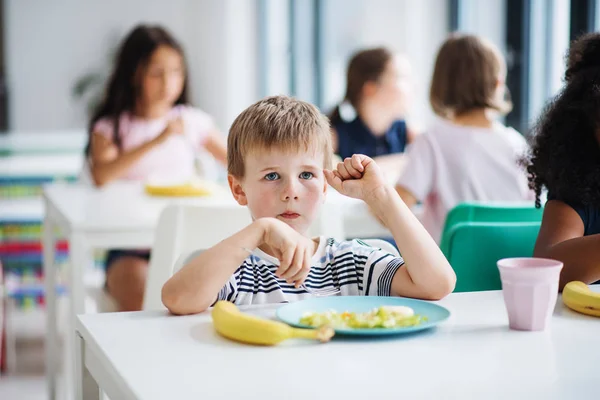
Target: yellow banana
578,297
235,325
193,188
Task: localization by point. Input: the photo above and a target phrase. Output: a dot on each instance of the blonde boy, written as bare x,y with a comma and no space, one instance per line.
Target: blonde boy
279,155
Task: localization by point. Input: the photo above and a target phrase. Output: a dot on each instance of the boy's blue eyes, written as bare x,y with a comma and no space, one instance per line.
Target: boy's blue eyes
273,176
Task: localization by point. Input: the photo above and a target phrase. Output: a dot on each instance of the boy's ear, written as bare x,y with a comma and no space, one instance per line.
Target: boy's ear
235,185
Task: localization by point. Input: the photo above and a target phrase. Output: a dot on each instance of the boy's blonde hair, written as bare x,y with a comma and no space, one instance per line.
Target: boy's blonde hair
465,77
279,122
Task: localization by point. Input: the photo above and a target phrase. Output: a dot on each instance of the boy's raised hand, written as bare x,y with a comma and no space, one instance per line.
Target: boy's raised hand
293,250
357,176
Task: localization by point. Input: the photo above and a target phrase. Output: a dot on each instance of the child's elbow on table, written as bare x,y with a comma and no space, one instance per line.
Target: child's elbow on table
444,287
178,303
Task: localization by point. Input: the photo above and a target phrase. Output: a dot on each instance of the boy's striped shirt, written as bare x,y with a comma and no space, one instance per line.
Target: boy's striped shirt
354,267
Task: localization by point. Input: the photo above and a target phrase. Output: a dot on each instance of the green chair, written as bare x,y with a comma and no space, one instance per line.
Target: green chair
473,248
489,212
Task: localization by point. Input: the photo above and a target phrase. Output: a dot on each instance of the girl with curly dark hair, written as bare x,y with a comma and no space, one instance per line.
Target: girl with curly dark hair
565,159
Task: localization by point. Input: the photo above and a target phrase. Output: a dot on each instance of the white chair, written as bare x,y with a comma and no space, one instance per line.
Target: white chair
383,245
186,229
329,222
181,230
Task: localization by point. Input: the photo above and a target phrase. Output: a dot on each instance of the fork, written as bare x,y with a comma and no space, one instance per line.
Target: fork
322,292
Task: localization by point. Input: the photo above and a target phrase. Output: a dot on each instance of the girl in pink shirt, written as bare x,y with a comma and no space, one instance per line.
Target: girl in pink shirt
466,155
143,129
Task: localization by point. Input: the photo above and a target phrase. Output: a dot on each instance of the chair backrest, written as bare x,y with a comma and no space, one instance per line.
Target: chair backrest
383,245
489,212
475,247
184,229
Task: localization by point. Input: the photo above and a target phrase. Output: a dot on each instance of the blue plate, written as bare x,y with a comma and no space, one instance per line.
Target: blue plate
291,313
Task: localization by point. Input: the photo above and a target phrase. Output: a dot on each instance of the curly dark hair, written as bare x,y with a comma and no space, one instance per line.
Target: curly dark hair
565,151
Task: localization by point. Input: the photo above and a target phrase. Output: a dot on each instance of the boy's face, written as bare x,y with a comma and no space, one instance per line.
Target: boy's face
288,186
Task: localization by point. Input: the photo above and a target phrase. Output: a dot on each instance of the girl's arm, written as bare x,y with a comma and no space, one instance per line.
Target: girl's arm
561,238
407,197
417,178
411,134
215,145
107,164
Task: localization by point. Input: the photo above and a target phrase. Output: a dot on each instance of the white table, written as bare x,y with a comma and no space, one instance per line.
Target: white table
473,355
122,216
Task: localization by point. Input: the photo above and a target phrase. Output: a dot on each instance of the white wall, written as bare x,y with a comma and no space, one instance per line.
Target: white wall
49,44
486,18
415,28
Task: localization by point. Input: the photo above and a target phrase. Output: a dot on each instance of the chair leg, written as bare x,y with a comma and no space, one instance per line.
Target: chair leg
2,323
2,335
10,337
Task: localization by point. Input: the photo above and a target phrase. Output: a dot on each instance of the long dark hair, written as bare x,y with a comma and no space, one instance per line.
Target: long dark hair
122,90
565,155
364,66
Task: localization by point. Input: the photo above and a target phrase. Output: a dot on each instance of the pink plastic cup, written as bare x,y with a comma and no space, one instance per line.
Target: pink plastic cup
530,288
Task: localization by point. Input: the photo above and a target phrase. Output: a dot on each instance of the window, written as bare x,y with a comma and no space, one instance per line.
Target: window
533,35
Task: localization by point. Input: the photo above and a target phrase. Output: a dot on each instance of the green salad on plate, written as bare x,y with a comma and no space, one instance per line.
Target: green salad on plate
381,317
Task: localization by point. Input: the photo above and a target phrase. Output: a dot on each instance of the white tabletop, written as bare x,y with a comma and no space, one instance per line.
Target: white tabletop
473,355
118,206
125,206
44,141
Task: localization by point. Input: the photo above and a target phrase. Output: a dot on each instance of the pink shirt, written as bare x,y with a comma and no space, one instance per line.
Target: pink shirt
174,159
451,164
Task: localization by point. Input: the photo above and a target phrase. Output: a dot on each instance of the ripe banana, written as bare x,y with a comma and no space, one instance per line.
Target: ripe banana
578,297
235,325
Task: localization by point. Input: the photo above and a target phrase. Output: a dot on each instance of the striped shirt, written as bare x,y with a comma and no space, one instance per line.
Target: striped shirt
353,267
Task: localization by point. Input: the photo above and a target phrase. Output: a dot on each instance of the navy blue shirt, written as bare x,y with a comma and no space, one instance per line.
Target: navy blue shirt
590,215
355,137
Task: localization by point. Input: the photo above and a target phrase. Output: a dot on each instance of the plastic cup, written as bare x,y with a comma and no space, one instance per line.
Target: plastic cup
530,289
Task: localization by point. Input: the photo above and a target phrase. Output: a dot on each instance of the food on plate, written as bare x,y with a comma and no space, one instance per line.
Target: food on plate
382,317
